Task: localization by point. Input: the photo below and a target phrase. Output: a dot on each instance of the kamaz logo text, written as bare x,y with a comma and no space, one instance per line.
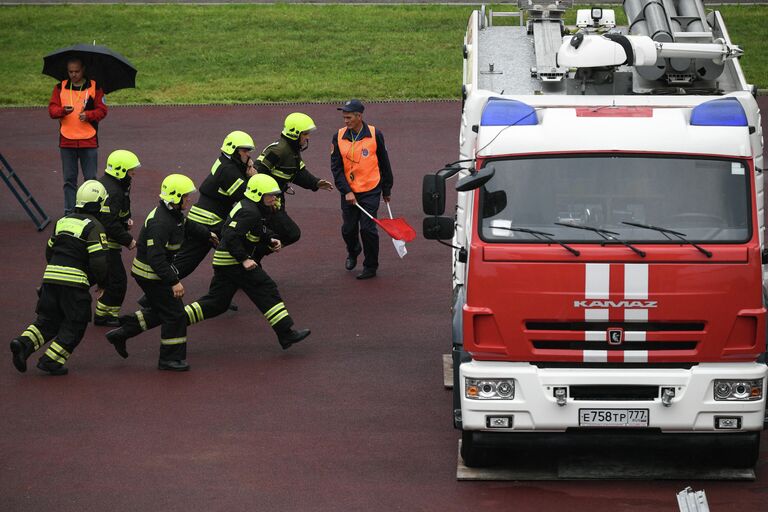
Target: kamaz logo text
604,304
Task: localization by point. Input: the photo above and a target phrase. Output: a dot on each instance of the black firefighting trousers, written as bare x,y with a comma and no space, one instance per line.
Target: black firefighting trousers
193,251
166,311
256,284
117,284
63,313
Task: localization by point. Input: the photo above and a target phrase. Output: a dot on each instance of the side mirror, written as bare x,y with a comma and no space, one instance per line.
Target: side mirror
433,189
438,228
433,194
477,180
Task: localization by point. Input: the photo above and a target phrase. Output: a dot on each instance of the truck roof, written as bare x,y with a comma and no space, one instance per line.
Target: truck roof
608,128
509,60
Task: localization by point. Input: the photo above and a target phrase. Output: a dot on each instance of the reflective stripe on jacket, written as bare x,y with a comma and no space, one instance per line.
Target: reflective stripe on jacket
76,253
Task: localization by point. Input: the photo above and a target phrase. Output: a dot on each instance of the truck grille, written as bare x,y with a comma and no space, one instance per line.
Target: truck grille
591,392
627,326
601,345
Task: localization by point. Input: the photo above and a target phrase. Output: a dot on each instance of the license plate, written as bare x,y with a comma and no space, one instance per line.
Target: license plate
613,417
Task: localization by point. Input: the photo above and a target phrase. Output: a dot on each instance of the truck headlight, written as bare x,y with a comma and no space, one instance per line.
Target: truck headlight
738,390
489,389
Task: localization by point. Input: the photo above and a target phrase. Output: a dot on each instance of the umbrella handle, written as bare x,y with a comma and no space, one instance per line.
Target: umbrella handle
364,210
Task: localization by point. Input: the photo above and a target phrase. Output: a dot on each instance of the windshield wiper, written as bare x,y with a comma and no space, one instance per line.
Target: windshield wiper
540,235
665,232
607,235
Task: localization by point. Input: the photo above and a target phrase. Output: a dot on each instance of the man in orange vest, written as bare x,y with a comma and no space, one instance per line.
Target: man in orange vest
361,170
78,103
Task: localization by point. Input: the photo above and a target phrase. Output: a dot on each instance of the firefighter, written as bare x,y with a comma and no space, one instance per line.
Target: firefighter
282,160
115,216
159,240
220,190
77,259
234,268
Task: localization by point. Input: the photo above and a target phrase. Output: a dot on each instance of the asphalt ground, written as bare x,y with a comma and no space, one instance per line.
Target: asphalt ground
354,418
203,2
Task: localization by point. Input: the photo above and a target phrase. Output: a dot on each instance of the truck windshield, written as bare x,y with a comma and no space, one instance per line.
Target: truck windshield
705,200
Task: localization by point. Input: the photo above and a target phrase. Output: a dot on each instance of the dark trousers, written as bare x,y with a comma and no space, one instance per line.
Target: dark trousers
166,311
63,313
117,284
357,226
193,251
256,284
285,228
69,158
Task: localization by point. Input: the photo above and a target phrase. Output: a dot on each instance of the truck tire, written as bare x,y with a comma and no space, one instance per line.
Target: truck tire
474,456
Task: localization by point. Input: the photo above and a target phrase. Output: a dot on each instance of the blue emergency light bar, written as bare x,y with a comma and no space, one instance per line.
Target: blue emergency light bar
501,112
722,112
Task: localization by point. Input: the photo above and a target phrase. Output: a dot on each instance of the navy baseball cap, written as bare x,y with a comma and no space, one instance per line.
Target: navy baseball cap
352,106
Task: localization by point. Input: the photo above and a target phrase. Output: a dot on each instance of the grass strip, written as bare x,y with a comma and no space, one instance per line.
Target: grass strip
273,53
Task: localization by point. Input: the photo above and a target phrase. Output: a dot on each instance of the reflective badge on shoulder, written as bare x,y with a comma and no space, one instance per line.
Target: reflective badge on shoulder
103,238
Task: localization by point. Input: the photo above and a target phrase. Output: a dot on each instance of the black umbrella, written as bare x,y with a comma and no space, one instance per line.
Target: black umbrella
109,69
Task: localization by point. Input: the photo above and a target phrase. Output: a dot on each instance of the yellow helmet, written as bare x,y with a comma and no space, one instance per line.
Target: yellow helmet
296,124
260,184
174,187
120,162
91,195
236,140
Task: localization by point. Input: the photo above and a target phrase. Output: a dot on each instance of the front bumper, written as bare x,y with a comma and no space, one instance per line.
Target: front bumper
535,408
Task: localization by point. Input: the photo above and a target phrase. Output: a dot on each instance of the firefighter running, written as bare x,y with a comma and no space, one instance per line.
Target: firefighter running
234,268
282,161
223,187
115,216
164,230
77,259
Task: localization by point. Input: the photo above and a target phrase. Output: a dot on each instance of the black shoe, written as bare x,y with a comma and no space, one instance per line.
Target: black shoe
292,337
106,321
367,273
174,366
118,338
19,351
52,367
233,306
350,263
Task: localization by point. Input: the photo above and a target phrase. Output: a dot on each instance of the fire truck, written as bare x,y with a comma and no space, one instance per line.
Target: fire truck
608,238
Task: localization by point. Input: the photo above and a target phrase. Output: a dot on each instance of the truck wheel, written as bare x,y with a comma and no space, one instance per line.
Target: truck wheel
474,456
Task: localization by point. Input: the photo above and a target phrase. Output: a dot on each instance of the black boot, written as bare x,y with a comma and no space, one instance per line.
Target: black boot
106,321
117,338
143,302
174,366
291,337
21,352
51,367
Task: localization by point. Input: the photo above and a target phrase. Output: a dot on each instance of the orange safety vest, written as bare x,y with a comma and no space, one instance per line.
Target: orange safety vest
71,125
361,166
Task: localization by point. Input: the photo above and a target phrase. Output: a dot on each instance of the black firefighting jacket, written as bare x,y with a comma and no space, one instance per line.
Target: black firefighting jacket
77,252
243,231
282,160
223,187
160,239
116,211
